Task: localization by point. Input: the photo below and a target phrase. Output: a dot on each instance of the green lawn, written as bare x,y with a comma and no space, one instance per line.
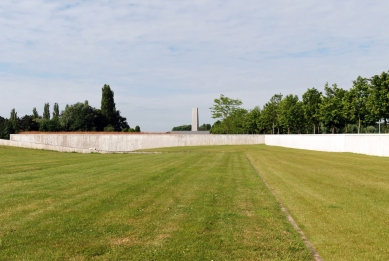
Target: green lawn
339,200
192,203
208,204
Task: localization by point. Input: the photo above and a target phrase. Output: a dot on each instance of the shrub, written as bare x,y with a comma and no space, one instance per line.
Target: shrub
109,128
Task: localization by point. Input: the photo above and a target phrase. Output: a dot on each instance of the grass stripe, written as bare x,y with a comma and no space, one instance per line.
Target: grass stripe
170,206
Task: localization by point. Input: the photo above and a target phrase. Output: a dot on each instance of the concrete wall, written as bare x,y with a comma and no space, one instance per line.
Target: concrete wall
124,143
30,145
370,144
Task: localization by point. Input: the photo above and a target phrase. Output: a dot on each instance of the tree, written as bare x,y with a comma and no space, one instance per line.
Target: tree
27,123
14,115
99,120
269,115
54,124
300,121
13,120
35,120
204,127
348,111
108,108
46,111
78,117
182,128
236,122
44,123
224,107
356,100
290,113
378,101
35,113
9,126
137,129
120,122
251,123
110,128
2,127
331,107
311,107
7,129
232,124
56,111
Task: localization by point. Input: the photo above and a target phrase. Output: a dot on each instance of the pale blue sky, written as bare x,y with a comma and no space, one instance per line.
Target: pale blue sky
162,58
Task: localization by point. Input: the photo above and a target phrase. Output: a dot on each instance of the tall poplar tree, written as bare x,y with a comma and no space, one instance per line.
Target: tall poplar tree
108,109
54,122
35,113
56,111
46,111
11,125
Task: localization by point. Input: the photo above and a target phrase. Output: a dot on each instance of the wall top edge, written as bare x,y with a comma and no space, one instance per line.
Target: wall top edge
330,135
202,134
149,134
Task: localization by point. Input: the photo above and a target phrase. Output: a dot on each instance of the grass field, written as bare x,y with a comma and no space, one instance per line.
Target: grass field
202,205
339,200
192,203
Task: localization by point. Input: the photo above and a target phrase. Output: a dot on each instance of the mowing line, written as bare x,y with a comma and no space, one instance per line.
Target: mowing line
291,220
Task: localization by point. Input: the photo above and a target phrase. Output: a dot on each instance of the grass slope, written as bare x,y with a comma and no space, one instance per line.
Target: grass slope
204,205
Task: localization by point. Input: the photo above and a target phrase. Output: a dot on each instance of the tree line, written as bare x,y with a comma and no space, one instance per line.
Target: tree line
335,110
77,117
204,127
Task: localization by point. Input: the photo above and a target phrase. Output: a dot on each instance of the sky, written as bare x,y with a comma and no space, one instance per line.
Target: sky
163,58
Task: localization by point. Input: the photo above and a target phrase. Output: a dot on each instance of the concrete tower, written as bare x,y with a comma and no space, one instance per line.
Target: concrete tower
195,119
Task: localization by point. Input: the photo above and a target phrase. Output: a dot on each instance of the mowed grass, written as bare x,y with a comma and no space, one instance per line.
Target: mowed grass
208,204
339,200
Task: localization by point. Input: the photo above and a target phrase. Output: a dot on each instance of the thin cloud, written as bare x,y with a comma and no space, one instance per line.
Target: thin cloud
150,51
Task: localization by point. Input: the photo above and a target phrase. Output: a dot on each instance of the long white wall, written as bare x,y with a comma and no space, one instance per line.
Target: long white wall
30,145
131,142
370,144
